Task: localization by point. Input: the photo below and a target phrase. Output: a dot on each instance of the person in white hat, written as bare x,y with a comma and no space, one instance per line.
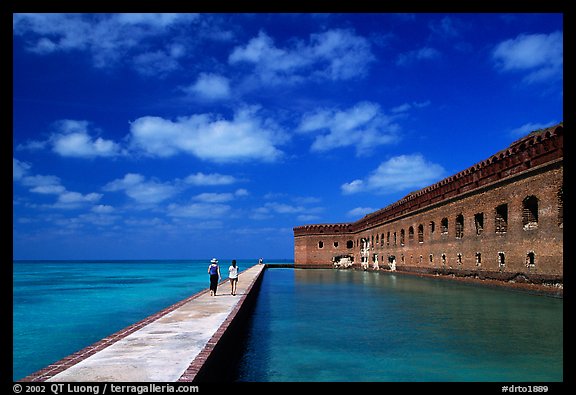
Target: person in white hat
214,272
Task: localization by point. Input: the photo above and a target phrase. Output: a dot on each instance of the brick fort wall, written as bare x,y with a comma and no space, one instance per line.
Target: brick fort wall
500,219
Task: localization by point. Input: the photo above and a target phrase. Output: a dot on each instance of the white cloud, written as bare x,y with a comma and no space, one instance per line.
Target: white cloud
35,181
156,63
51,185
103,209
72,139
360,212
247,137
141,190
399,173
19,169
211,197
72,199
332,55
363,126
109,38
210,86
209,179
530,127
198,210
538,55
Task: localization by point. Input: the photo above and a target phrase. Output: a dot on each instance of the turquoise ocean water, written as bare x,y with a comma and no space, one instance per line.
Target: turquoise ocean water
60,307
307,325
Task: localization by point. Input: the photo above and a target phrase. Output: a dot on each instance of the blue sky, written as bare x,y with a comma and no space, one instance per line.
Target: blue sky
187,136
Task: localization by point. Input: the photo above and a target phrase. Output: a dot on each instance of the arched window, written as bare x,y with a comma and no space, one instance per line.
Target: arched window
530,213
501,218
459,226
444,226
411,233
420,233
320,244
402,233
530,259
479,222
349,244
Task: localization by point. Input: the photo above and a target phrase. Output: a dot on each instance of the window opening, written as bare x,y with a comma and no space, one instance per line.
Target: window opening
420,233
530,259
502,218
501,260
479,222
530,213
444,226
459,226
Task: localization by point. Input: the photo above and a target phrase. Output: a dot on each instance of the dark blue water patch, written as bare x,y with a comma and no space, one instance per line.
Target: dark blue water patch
326,325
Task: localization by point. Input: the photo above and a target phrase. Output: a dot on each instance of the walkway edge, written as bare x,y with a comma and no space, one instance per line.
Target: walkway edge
203,366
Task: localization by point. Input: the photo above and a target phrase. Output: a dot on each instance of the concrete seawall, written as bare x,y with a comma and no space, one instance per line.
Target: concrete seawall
184,342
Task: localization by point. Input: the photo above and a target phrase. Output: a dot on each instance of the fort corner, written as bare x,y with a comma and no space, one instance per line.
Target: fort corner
501,219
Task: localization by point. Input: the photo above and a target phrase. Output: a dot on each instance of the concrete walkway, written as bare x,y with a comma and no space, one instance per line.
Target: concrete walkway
169,348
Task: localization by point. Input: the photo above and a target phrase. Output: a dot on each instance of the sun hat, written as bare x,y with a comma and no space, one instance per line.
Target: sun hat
214,260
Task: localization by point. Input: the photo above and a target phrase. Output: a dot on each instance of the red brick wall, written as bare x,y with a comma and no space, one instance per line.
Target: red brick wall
508,177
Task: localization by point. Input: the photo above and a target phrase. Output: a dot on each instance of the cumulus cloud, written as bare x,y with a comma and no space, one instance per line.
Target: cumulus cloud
246,137
399,173
19,169
363,126
51,185
332,55
109,38
72,199
210,179
198,210
144,191
360,211
72,138
210,86
540,56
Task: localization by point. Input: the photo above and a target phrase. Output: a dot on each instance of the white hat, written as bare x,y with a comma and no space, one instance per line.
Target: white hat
214,260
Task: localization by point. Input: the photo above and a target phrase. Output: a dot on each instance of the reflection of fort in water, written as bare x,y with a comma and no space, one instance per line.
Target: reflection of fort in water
499,219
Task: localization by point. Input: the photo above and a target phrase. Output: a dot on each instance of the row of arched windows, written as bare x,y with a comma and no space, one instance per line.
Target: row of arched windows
529,222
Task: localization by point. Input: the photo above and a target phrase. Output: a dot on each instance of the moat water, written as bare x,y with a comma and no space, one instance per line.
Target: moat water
307,325
330,325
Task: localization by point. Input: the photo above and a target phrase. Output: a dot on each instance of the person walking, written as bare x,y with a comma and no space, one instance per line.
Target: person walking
233,276
214,272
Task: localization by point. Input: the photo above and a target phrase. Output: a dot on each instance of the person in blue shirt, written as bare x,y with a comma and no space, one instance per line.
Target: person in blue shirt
214,272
